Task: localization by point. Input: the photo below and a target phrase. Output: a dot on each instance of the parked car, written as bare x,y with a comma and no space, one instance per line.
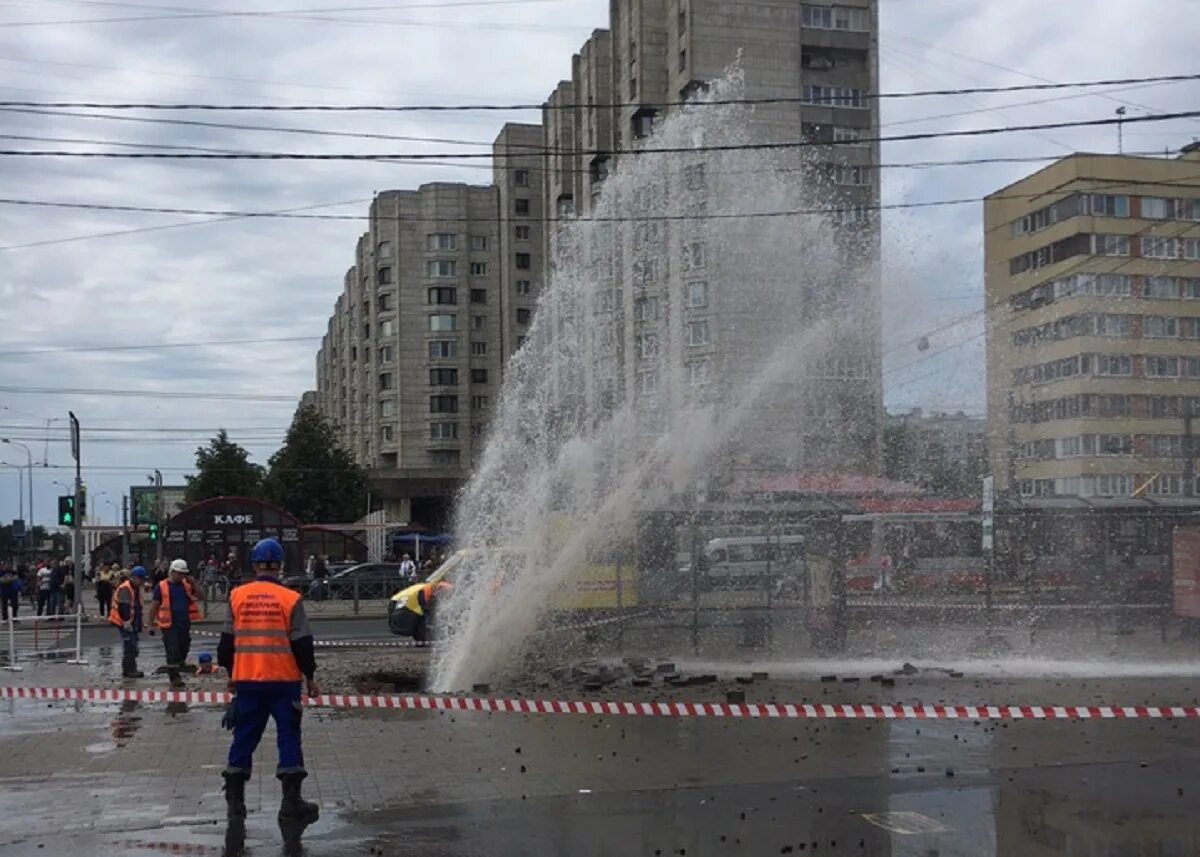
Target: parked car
376,572
369,579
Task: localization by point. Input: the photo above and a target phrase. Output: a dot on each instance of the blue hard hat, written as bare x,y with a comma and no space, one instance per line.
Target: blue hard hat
205,657
267,551
138,571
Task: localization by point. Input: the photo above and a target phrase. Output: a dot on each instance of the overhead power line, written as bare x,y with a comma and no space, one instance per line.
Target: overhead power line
71,349
716,102
148,394
661,150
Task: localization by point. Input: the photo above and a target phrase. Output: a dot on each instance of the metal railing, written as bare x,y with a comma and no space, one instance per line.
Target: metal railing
33,637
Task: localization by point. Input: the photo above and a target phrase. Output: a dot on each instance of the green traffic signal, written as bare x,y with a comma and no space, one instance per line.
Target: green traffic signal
154,532
66,511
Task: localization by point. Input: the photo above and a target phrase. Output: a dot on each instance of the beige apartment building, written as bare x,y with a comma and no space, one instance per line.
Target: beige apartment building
410,365
1093,327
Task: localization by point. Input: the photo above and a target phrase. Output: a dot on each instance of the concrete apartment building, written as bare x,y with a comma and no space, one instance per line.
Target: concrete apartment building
1093,327
629,78
410,365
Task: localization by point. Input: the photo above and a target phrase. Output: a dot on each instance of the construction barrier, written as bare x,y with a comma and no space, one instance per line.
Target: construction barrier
349,644
737,711
32,637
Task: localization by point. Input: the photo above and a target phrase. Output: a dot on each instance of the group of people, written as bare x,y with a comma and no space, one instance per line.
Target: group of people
48,584
410,572
266,647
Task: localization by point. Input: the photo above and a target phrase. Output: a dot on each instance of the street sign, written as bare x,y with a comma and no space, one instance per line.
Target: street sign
18,529
988,509
74,436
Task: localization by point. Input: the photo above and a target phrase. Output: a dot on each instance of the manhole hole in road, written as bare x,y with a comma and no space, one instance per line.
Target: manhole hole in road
388,681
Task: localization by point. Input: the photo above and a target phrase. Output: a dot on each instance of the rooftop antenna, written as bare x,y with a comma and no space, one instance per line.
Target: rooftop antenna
1120,131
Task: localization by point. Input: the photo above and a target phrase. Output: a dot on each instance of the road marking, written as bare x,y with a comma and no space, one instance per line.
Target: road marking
905,823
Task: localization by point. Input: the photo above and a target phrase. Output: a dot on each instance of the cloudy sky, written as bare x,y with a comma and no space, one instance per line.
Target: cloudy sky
102,280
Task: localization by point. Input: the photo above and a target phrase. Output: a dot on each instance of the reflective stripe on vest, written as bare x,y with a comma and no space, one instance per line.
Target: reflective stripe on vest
114,613
164,600
262,628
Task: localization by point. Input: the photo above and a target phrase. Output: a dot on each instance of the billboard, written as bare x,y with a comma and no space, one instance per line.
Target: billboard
142,503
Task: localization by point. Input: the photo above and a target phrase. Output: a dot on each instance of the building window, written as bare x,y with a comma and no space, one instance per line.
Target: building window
521,178
1156,208
1108,205
1154,247
697,333
386,433
445,457
521,206
647,382
697,294
646,309
521,342
387,353
387,408
443,431
479,403
693,177
443,404
1160,327
385,380
385,276
443,322
479,269
524,261
478,296
443,377
387,327
440,241
1162,367
478,322
697,373
682,59
846,135
383,250
521,233
835,18
1113,365
647,346
385,302
834,96
441,268
693,255
645,272
1111,245
1113,325
443,295
1160,287
846,174
478,349
524,316
479,376
524,287
442,349
479,242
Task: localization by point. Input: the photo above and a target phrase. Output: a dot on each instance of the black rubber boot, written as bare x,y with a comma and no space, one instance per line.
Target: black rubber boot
294,806
235,793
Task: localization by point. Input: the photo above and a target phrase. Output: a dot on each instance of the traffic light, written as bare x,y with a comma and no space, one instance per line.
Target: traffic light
82,503
66,511
154,532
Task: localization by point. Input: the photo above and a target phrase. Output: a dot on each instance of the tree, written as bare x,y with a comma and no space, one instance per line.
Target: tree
312,476
223,469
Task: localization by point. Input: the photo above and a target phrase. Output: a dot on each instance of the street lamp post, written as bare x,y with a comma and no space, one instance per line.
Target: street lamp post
20,488
29,458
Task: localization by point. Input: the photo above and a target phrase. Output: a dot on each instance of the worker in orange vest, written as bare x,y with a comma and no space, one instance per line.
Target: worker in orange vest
126,614
267,647
175,609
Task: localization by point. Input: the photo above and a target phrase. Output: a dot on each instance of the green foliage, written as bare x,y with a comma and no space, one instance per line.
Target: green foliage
224,469
313,477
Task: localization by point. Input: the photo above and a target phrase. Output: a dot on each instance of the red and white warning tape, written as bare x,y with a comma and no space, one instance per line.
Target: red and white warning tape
769,711
348,644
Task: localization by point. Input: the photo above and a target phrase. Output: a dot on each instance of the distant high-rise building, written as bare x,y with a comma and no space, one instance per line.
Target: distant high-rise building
1093,327
410,366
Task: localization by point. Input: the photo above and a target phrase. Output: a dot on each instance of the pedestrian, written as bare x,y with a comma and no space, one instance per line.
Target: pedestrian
104,588
408,570
10,592
126,614
44,575
67,606
175,609
267,648
319,590
58,575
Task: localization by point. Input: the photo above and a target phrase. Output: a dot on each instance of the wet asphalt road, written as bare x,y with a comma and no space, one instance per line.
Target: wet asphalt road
456,786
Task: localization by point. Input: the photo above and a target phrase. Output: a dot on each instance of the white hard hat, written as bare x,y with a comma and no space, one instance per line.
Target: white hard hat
180,565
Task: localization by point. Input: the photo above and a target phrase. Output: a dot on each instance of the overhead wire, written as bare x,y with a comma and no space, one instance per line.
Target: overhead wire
518,106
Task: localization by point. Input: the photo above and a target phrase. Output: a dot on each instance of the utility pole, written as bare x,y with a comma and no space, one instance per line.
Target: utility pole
158,514
124,530
77,533
29,464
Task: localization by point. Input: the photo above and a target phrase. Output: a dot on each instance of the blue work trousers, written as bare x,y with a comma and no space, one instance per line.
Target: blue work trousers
129,651
256,703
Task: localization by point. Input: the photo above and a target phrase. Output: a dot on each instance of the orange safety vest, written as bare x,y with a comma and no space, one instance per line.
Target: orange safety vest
164,601
114,614
262,632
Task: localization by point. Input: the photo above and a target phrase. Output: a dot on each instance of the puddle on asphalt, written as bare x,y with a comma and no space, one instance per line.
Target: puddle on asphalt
121,729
